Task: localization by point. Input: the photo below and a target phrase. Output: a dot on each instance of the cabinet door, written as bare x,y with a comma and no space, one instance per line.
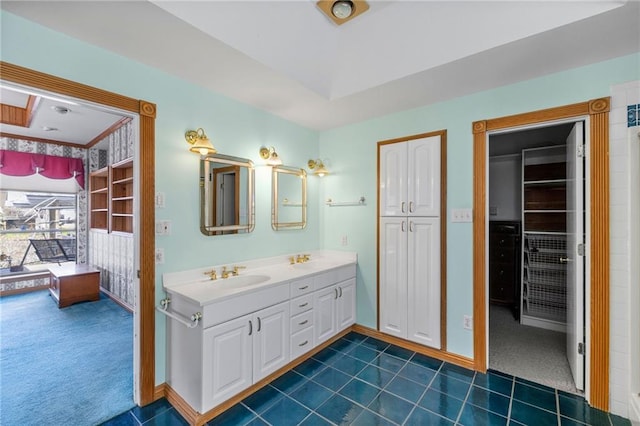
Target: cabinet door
393,276
270,340
227,360
424,281
424,176
393,179
346,309
324,313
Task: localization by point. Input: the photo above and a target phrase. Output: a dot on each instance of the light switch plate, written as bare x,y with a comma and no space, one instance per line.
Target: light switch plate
160,200
462,215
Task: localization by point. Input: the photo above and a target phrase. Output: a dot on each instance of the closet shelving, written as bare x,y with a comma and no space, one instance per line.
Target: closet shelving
544,243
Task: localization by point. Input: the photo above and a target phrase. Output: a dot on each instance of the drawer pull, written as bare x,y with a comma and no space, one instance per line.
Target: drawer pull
303,343
303,288
250,328
303,305
303,322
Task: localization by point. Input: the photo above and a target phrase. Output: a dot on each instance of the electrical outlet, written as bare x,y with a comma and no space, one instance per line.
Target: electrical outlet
493,210
159,256
344,240
467,322
163,227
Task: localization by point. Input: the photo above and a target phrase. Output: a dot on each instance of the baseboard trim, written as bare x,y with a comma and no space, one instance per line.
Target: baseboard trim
116,299
415,347
160,391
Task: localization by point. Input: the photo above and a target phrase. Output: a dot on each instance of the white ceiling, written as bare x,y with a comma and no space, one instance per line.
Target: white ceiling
287,58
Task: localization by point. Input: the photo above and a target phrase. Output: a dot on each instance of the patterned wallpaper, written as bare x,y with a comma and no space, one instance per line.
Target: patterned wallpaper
113,253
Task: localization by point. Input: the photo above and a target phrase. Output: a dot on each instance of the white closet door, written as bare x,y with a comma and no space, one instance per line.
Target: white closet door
393,179
393,276
424,177
575,261
424,281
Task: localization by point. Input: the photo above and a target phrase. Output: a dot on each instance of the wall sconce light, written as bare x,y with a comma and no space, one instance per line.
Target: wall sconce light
270,155
318,167
200,143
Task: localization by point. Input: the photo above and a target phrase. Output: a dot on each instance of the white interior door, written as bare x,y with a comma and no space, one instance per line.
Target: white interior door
575,260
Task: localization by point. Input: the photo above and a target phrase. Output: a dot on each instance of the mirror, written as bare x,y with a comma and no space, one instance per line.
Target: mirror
226,195
289,198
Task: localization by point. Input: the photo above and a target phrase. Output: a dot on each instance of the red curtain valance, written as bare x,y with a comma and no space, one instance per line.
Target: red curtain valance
14,163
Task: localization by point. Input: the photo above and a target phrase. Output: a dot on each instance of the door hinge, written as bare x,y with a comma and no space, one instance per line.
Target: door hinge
580,249
581,348
138,273
580,151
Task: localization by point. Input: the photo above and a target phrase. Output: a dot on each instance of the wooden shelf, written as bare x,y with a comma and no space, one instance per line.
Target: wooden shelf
99,199
112,198
122,197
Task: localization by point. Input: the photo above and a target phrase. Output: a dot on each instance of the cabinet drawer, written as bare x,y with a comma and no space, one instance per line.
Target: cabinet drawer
503,293
502,254
300,287
301,342
301,321
301,304
502,273
497,241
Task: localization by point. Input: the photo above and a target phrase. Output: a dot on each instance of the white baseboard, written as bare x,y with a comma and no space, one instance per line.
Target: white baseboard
634,409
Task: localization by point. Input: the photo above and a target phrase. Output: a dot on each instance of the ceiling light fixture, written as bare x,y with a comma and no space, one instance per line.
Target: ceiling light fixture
61,109
341,11
318,167
270,155
199,142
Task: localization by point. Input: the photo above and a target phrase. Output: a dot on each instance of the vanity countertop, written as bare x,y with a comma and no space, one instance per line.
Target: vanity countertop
258,274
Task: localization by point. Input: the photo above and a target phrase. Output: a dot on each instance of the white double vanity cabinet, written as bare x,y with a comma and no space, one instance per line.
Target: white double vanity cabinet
253,323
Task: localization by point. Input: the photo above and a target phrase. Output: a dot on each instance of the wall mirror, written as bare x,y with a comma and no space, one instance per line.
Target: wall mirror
288,198
226,195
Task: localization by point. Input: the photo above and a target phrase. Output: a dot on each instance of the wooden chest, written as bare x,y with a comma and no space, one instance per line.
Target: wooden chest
73,283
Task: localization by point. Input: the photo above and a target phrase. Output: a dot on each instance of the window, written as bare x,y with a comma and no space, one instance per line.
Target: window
37,229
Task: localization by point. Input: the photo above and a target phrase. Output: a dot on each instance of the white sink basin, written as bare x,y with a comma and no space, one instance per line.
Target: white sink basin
240,281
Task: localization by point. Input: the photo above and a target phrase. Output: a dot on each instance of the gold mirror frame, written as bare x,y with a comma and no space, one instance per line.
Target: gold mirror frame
276,224
207,212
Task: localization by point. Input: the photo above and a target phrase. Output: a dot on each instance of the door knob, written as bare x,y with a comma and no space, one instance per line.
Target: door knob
565,259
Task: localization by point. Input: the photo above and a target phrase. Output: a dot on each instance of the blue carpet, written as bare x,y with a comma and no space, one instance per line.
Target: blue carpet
70,366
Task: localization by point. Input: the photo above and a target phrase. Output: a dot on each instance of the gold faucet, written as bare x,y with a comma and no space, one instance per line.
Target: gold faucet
301,258
235,272
226,273
212,274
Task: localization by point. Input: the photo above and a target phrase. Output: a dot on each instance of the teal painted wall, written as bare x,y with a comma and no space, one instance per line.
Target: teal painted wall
234,128
237,129
351,153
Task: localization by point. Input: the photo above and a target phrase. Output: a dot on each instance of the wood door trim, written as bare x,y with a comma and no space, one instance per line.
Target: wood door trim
598,112
147,113
443,228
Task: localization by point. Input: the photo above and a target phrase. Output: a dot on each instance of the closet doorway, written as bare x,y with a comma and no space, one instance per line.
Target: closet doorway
536,240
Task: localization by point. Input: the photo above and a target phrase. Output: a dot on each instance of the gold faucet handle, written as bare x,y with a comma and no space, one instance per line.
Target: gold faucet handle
237,268
306,257
212,274
292,260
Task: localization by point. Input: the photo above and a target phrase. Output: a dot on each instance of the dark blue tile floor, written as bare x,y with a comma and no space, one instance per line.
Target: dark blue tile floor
359,380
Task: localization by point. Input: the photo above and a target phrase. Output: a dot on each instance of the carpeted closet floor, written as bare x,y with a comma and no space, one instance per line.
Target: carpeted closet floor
531,353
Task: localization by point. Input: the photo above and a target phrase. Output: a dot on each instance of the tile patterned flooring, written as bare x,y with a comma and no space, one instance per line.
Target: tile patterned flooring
359,380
